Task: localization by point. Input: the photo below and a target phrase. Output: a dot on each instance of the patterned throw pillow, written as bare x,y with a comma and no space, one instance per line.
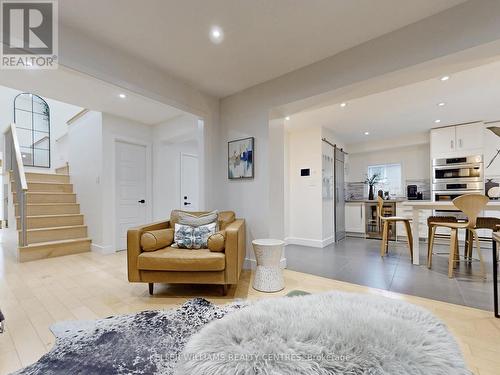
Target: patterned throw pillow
187,237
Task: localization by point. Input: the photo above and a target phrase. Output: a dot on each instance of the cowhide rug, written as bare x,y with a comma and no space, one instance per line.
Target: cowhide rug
148,342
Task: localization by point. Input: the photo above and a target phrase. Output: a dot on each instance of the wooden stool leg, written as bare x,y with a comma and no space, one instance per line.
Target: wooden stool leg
451,258
466,245
481,263
410,238
383,245
431,246
469,246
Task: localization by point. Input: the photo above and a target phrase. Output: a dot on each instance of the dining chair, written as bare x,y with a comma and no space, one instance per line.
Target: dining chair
471,205
386,220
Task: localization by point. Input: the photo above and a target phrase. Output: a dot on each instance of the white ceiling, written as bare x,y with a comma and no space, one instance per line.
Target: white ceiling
74,88
470,95
263,38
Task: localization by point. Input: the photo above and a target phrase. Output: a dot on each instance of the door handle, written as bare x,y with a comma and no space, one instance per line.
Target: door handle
142,201
186,203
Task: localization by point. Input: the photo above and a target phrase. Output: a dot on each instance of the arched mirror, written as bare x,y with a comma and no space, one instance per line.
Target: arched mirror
32,119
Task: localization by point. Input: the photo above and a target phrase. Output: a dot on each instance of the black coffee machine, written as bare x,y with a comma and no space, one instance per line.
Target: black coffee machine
412,193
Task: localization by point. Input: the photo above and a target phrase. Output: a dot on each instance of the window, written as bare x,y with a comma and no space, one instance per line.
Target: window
390,178
32,119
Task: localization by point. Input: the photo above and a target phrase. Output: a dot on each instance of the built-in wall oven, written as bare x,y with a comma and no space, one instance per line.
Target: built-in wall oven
453,177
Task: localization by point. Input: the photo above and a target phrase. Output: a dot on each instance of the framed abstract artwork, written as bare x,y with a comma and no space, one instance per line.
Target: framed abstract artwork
240,159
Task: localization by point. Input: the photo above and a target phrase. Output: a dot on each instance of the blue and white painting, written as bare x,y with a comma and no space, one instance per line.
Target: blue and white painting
240,158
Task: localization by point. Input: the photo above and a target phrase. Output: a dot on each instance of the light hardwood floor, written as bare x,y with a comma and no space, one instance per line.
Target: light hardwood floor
36,294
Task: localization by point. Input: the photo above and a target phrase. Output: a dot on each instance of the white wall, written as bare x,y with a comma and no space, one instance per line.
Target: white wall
85,156
414,160
180,134
305,203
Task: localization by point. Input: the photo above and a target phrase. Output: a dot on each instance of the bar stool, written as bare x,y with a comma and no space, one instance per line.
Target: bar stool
432,222
471,205
492,223
385,220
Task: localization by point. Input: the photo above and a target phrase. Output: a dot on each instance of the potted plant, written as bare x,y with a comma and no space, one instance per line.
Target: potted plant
371,181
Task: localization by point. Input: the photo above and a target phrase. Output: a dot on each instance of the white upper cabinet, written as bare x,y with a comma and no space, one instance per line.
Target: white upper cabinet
460,140
443,141
469,137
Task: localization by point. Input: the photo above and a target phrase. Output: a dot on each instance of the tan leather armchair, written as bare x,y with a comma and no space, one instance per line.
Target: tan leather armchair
172,265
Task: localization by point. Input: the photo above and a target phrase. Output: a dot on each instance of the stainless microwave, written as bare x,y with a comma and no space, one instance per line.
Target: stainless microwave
458,171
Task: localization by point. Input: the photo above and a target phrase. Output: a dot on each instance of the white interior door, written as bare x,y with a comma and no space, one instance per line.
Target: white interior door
189,182
131,193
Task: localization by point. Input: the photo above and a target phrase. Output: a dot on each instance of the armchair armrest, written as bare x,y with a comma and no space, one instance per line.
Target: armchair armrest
235,250
134,246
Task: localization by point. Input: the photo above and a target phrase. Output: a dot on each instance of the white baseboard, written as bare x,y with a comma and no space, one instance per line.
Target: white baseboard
102,249
250,264
309,242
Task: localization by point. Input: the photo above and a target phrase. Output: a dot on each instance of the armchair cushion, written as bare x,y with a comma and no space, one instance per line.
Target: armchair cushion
172,259
217,241
157,239
193,219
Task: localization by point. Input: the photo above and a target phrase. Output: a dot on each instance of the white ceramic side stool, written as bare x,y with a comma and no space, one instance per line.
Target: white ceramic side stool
268,275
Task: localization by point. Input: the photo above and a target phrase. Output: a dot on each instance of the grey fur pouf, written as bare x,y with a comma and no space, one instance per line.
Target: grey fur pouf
331,333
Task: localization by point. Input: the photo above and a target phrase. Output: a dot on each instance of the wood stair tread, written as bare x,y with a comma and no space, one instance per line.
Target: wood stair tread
54,228
47,192
48,182
58,242
45,174
47,204
49,216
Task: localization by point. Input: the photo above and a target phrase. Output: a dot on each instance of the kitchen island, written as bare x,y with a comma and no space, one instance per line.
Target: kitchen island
418,206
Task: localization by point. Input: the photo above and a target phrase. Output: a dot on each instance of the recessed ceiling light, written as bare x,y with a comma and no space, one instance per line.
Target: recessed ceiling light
344,104
367,133
445,78
437,121
287,118
123,96
442,104
216,34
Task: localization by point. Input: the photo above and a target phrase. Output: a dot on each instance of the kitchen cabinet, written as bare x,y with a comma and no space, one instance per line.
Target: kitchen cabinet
459,140
355,217
469,137
443,141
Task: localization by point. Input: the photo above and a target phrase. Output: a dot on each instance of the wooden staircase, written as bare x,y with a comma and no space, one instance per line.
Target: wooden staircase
55,226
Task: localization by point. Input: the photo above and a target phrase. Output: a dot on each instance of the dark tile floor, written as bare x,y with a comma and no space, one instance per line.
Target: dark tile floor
358,261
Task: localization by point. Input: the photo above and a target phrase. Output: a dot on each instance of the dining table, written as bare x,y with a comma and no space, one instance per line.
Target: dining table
418,205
